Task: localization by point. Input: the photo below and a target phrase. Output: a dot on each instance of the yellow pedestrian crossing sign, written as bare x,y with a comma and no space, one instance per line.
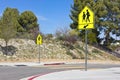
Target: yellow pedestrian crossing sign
39,39
86,19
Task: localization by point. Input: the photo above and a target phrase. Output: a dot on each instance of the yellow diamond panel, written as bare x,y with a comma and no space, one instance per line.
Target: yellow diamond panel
39,39
86,19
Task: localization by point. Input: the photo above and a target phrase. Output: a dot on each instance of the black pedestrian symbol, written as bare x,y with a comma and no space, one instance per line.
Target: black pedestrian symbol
39,38
83,16
86,17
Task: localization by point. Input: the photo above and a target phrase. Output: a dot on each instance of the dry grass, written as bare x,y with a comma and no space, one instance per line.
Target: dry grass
54,52
74,61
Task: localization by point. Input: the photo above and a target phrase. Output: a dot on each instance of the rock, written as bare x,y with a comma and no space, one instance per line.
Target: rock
118,50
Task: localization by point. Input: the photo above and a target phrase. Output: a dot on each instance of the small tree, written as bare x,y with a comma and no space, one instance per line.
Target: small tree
28,21
8,26
69,37
28,25
62,33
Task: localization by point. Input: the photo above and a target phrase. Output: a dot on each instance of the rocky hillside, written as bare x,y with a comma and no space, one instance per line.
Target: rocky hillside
27,50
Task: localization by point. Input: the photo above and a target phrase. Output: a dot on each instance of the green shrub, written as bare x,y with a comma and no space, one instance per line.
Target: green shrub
96,51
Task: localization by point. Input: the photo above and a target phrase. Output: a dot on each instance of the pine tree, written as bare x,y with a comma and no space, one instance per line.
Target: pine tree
29,24
107,18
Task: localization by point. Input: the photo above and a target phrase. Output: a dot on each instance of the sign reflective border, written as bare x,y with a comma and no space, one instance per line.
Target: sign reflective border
86,19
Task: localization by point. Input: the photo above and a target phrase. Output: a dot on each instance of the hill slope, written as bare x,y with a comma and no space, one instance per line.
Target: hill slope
27,50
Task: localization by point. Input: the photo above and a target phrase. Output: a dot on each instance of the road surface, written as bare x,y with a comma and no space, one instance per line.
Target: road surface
18,72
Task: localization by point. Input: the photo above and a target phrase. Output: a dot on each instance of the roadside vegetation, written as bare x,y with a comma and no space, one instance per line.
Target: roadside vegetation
18,32
26,50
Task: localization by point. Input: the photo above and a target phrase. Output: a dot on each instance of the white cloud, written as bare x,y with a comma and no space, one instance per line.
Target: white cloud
41,18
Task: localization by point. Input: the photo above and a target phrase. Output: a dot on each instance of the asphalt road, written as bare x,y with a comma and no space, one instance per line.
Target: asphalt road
18,72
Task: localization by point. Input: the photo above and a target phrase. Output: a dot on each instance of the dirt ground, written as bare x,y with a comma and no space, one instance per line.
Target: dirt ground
81,61
64,61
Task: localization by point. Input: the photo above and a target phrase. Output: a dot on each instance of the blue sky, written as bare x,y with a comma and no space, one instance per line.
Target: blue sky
51,14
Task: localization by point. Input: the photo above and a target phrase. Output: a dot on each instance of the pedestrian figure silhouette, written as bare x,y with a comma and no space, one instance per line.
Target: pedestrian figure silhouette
39,38
83,16
87,16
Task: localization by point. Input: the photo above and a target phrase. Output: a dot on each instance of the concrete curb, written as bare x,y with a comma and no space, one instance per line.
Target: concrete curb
102,74
35,76
30,64
54,64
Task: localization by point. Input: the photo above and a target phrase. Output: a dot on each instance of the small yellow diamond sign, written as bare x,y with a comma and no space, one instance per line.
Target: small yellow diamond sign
39,39
86,19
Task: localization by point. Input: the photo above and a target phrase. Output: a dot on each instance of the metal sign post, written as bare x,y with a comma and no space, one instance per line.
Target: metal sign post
86,52
85,22
39,53
39,42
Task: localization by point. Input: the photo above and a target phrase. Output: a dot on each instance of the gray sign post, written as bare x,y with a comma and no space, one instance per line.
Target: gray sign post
39,42
39,53
85,22
86,51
